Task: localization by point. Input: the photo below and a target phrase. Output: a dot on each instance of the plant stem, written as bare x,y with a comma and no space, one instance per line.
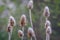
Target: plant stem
31,21
22,38
10,34
30,18
23,29
35,37
23,32
31,38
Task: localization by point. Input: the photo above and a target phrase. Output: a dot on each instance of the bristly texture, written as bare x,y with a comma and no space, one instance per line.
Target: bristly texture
12,21
46,12
20,33
8,28
47,23
30,4
48,30
23,20
30,32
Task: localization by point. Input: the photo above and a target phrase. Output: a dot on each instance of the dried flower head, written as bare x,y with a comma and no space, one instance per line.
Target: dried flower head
46,12
20,33
23,20
30,4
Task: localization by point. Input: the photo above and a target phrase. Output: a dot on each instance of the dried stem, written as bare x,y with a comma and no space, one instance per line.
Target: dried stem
31,22
10,34
30,18
23,32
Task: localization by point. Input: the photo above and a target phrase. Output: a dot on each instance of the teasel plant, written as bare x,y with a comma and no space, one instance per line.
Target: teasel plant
31,33
11,24
23,22
47,23
20,34
46,12
48,29
30,7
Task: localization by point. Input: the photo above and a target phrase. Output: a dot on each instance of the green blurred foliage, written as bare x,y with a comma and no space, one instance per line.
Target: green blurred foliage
37,18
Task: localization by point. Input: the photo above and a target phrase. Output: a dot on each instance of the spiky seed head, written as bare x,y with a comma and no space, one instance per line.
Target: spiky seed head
12,21
9,28
30,4
30,32
46,12
47,23
48,30
20,33
23,20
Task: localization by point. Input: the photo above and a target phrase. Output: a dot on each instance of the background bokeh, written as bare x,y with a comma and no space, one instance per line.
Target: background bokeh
20,8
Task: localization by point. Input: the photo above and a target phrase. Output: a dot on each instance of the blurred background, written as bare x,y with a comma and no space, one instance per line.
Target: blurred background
19,7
